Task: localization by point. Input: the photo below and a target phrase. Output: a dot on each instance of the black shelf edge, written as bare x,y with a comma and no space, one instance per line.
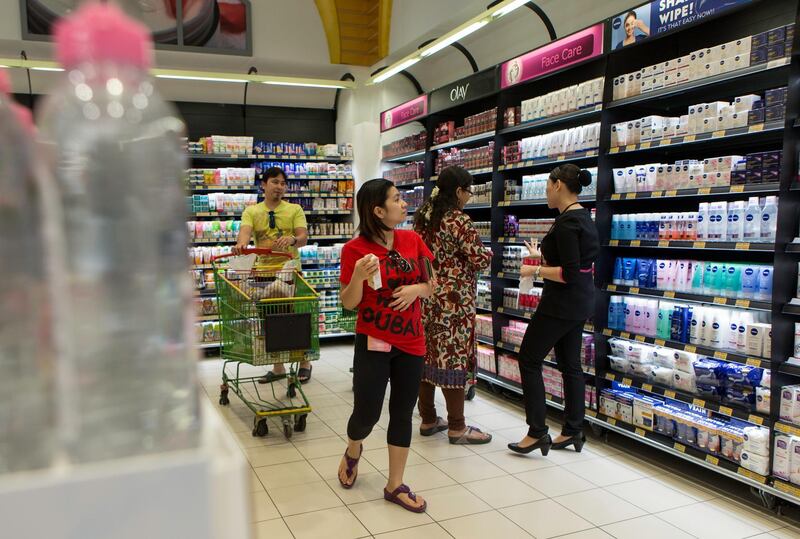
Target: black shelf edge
791,309
515,313
411,156
722,355
477,207
410,184
512,240
513,276
695,400
705,245
698,192
330,238
533,163
267,157
721,135
696,298
785,367
485,340
483,310
508,347
793,248
537,203
700,84
480,137
553,120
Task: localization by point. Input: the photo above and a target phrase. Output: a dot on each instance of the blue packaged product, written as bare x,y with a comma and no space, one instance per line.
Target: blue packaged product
652,280
629,271
709,372
765,283
750,281
644,266
617,279
675,324
744,375
708,391
743,396
687,324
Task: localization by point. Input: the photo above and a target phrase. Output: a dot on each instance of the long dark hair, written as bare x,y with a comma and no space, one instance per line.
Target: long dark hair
371,195
429,217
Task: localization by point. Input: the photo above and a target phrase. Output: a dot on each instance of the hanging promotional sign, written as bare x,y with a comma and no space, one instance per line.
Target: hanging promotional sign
659,16
475,86
554,56
405,113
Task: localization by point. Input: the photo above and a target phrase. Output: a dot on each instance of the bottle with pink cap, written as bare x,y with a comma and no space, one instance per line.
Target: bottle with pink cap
27,433
126,361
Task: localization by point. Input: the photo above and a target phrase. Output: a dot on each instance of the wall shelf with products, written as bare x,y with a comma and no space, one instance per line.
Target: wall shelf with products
741,144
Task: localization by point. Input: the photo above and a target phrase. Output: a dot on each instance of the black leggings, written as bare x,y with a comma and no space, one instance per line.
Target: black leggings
546,333
371,372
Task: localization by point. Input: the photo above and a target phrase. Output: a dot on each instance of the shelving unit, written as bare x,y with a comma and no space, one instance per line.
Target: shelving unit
672,101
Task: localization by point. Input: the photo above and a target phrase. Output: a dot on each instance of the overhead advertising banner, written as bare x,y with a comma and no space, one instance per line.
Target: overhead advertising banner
405,113
464,90
659,16
554,56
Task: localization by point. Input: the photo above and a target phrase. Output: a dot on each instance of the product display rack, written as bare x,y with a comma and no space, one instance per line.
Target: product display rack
783,254
204,160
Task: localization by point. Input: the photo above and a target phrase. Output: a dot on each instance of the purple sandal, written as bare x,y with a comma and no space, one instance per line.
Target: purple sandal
351,463
394,497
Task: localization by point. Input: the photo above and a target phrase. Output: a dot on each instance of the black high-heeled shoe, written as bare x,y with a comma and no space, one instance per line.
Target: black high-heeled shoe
576,441
542,443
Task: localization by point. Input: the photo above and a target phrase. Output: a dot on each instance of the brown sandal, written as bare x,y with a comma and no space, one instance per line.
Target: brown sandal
441,425
465,439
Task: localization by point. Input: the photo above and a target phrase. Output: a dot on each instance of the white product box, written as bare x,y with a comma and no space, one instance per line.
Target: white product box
739,119
767,342
658,81
710,69
744,45
646,83
683,126
781,460
745,103
643,411
740,61
754,340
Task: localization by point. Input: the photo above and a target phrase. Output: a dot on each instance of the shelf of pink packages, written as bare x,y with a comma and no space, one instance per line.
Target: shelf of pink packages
756,130
514,387
558,160
480,137
272,157
771,187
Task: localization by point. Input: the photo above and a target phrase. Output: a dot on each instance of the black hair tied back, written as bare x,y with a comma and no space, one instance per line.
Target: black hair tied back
585,177
575,178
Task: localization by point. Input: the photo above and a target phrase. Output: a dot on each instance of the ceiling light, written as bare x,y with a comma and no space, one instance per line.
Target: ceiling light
304,84
394,70
200,78
508,8
57,69
445,42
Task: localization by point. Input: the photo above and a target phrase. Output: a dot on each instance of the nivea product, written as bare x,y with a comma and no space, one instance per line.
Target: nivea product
752,220
769,220
663,324
750,275
618,265
764,292
629,272
702,221
697,277
644,267
733,280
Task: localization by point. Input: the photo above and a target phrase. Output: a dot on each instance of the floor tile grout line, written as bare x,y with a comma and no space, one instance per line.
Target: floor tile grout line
657,515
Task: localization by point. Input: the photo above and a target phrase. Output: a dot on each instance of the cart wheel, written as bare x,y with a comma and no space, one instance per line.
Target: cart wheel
291,391
300,422
287,429
223,395
470,393
260,428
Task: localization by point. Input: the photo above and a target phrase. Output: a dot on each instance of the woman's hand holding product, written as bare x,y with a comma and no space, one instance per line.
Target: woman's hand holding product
533,248
365,268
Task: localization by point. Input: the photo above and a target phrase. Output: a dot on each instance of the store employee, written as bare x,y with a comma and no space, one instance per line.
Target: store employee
280,226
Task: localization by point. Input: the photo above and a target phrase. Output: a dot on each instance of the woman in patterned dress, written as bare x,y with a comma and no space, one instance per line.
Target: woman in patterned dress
449,315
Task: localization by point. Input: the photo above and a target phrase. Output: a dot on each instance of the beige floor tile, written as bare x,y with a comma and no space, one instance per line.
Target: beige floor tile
329,413
514,463
598,447
483,526
648,526
380,516
594,533
314,431
267,456
786,533
504,491
686,487
304,498
255,483
603,472
479,405
638,465
569,456
368,487
287,474
246,440
328,467
426,477
337,523
263,508
322,447
650,495
451,502
754,517
428,531
599,506
273,529
706,522
545,518
467,469
555,481
379,458
501,421
440,449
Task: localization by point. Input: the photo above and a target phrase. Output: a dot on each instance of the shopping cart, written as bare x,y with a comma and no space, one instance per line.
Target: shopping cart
269,314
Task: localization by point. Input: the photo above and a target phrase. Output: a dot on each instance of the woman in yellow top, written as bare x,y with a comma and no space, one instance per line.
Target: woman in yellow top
280,226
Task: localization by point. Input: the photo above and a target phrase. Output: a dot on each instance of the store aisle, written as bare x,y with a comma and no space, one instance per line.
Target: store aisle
472,492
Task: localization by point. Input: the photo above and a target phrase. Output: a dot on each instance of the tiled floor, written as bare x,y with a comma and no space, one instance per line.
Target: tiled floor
472,492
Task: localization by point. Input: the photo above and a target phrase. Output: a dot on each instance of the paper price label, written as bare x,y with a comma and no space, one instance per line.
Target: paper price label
634,290
755,128
756,420
614,150
721,355
591,413
712,460
647,387
720,301
718,134
616,196
625,335
671,192
743,303
743,246
660,342
612,421
636,243
689,138
630,147
640,432
630,196
699,245
737,189
614,243
657,194
666,142
690,348
725,410
669,394
640,338
787,488
669,294
663,243
627,381
607,332
699,402
751,475
644,145
704,191
611,377
753,362
679,447
612,288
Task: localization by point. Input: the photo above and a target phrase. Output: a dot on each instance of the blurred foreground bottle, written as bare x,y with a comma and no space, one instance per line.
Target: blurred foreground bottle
126,361
27,433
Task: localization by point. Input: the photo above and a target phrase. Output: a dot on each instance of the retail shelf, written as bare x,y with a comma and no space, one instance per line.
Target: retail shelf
532,163
793,248
320,261
328,212
203,214
213,242
695,298
412,156
509,275
724,355
787,428
477,206
237,188
336,335
706,83
317,195
331,237
207,345
725,135
325,286
480,137
201,266
486,239
708,404
415,183
204,293
508,347
699,192
537,125
668,445
483,309
515,313
534,203
291,177
512,240
792,309
484,340
705,245
551,400
265,157
208,318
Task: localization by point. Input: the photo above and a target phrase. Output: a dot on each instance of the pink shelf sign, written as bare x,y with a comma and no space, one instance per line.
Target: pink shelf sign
402,114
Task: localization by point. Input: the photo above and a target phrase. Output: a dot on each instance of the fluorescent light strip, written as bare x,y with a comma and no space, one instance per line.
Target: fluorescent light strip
304,84
394,70
193,77
508,8
447,41
55,69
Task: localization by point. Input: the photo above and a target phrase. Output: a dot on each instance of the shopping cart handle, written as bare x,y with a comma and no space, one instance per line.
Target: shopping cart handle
254,251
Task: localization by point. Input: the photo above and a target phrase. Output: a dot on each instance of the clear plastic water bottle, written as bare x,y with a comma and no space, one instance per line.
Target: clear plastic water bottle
752,220
126,376
769,220
27,434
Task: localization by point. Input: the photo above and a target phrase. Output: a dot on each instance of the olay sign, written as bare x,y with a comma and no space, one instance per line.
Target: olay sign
402,114
554,56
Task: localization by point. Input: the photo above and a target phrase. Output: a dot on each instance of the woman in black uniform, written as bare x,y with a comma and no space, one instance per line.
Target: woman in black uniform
568,253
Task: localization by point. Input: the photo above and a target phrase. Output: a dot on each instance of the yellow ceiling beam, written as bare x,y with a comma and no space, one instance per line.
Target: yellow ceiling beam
330,22
384,27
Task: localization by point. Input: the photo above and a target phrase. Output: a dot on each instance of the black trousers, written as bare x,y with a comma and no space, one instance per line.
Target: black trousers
546,333
371,372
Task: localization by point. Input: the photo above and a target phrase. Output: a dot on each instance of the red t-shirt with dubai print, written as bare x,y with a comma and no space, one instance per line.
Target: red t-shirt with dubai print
376,318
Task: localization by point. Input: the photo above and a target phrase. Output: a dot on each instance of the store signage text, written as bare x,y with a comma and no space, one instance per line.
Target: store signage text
459,93
405,113
560,54
476,86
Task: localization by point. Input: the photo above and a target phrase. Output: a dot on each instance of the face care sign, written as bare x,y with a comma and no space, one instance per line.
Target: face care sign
402,114
661,16
554,56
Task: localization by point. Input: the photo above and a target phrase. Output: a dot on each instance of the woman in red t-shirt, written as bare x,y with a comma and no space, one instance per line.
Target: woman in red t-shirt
384,273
